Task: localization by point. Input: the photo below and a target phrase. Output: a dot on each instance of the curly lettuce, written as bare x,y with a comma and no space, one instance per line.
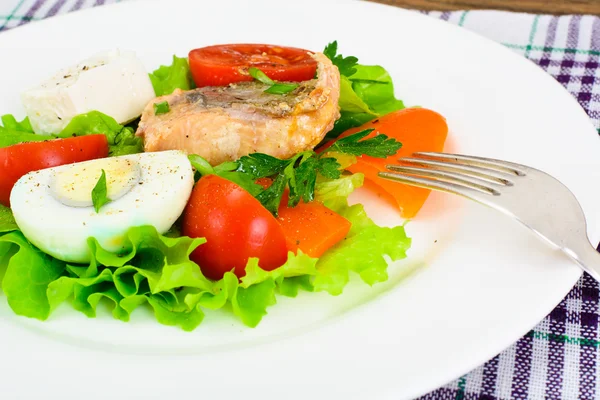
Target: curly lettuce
13,131
121,139
156,271
167,78
366,91
7,220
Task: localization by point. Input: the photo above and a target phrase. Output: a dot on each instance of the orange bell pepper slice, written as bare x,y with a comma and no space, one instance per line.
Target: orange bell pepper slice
418,129
310,227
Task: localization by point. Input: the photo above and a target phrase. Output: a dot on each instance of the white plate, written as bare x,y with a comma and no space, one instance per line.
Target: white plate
487,281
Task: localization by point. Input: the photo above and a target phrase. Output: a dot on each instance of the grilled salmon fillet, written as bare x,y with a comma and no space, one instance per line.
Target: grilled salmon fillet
226,123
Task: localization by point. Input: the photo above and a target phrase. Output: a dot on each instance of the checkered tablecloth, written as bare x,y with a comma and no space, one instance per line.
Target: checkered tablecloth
559,358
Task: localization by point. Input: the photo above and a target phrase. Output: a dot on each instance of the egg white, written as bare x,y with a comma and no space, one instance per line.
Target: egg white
158,199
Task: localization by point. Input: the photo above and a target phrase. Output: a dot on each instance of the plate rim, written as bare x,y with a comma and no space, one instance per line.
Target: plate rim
39,25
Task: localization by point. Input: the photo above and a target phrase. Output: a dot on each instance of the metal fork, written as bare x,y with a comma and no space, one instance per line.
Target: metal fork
532,197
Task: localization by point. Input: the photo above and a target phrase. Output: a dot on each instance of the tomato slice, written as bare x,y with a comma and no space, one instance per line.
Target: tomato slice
19,159
236,227
221,65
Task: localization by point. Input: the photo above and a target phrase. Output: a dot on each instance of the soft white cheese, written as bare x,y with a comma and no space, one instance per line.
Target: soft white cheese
114,83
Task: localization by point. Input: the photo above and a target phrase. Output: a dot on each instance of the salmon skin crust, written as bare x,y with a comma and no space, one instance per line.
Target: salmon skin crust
225,123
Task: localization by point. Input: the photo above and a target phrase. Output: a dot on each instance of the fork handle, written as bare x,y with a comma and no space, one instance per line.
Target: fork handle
588,258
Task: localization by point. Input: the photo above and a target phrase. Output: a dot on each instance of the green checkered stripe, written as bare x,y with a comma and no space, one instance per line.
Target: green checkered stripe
14,13
559,358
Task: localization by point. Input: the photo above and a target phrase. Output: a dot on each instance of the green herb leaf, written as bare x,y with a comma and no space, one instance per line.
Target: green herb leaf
282,88
366,92
299,173
227,171
379,146
305,180
161,108
201,165
346,65
347,121
260,165
99,193
275,88
260,76
271,197
329,167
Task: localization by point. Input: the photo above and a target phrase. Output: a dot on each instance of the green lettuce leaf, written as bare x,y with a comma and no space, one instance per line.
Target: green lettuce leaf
254,293
373,84
121,139
13,131
364,252
333,193
28,273
366,92
7,220
155,271
10,122
167,78
350,101
249,304
166,314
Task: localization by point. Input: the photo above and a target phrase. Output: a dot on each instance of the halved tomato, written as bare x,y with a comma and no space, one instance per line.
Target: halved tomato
236,227
221,65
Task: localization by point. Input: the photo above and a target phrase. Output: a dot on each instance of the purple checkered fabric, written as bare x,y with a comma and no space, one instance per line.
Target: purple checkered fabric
559,358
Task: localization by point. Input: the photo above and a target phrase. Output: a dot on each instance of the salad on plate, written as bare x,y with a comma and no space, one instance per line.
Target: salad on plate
219,181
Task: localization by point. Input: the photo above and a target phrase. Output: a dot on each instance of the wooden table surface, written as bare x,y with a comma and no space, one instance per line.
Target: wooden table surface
532,6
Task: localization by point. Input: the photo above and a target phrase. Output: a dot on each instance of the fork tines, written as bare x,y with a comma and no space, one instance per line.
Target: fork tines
455,173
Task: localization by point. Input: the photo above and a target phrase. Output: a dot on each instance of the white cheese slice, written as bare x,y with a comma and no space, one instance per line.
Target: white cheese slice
114,83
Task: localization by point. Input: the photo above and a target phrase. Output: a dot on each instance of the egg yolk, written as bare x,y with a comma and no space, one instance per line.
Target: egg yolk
73,186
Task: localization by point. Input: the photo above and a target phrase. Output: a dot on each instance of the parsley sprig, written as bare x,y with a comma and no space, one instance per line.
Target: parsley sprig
379,146
346,65
298,173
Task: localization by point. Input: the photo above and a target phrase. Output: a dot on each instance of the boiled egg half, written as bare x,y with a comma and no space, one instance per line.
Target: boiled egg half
54,209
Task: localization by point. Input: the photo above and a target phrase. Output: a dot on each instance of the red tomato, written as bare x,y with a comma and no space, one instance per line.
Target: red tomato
236,227
224,64
19,159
